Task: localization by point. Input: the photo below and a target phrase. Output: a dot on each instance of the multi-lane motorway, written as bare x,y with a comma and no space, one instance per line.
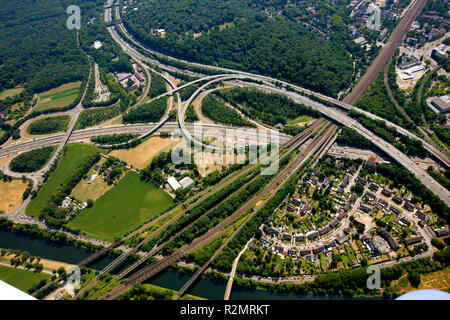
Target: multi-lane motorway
406,21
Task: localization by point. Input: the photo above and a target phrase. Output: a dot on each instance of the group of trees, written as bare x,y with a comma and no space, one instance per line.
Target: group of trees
377,101
269,108
149,112
158,85
348,136
237,34
219,112
109,56
140,292
49,125
31,161
44,233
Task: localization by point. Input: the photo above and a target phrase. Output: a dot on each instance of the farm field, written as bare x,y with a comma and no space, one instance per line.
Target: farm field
10,93
11,192
21,279
59,97
143,154
123,208
84,191
75,154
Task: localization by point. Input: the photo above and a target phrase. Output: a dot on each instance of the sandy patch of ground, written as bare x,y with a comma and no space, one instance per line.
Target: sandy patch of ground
143,154
49,265
4,161
439,280
436,280
11,195
209,162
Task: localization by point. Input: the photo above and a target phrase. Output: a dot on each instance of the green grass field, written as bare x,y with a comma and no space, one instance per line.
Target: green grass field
10,93
59,97
21,279
123,208
75,154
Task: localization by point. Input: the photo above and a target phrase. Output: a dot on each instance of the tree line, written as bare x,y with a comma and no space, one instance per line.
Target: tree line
411,147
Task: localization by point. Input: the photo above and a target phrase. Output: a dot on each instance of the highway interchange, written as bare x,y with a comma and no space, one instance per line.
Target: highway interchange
235,78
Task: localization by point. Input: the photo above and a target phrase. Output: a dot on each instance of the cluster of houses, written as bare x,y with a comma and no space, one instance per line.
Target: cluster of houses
69,202
107,171
371,201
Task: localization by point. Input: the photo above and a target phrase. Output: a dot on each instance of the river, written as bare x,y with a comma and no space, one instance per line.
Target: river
170,279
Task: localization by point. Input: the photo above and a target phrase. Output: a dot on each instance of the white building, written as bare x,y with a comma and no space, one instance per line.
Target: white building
186,182
174,184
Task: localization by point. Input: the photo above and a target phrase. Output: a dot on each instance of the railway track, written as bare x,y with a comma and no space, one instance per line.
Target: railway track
296,165
291,145
386,53
223,226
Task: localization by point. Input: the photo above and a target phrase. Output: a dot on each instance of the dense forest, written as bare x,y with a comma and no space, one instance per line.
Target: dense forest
37,50
49,125
237,34
219,112
149,112
31,161
268,108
